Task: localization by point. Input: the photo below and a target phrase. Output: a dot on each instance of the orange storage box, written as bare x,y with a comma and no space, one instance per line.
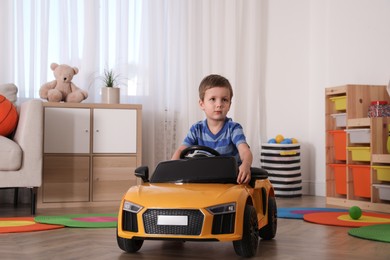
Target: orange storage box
361,180
340,176
339,144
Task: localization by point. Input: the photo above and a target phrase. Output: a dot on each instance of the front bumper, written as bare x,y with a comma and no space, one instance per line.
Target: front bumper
200,225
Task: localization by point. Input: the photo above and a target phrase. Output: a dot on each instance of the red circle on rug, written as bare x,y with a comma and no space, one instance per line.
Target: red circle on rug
343,219
23,224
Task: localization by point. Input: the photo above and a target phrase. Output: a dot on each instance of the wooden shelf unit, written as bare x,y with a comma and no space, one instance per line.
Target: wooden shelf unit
90,153
357,101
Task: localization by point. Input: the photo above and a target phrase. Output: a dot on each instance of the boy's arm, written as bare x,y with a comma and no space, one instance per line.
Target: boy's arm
176,155
244,174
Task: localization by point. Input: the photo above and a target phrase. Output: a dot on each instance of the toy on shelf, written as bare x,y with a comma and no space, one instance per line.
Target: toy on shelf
62,88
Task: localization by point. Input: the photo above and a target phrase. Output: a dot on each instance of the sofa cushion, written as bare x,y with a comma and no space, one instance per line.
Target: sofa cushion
10,155
9,91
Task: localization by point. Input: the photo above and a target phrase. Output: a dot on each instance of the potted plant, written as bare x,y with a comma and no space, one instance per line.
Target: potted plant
110,90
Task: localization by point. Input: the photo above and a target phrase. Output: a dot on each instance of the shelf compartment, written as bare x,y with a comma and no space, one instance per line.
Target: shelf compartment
384,191
340,176
340,119
382,172
361,180
359,136
360,153
340,102
339,142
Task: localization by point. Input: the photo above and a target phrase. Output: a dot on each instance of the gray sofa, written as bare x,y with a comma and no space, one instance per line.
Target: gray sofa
21,156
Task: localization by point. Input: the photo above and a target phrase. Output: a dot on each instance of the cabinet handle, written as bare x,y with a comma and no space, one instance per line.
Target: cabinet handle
97,131
86,130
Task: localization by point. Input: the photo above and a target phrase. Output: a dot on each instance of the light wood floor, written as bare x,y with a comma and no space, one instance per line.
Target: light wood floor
295,239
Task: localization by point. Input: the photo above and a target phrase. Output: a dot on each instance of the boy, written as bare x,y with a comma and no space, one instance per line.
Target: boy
218,131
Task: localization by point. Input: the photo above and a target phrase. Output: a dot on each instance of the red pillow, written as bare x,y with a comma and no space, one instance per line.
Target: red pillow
8,117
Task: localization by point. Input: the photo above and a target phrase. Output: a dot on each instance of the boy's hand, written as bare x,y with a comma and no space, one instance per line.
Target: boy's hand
244,171
244,174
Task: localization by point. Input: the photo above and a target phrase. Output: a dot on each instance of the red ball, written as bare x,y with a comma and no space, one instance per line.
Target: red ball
8,117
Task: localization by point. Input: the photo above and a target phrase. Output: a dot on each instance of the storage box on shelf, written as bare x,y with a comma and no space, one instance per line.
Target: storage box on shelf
361,181
355,148
340,120
383,191
340,178
90,153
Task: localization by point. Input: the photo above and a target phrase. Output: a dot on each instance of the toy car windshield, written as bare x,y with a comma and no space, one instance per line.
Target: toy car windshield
197,170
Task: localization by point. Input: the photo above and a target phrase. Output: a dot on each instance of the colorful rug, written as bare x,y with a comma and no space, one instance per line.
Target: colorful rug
343,219
374,232
298,213
81,220
23,224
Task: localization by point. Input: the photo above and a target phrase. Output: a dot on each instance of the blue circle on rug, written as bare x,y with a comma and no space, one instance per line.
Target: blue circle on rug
298,213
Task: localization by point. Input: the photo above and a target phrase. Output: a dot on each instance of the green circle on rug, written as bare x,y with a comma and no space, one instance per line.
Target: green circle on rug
375,232
81,220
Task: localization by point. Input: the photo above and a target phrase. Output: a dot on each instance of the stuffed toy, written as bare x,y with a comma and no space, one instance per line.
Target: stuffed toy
62,88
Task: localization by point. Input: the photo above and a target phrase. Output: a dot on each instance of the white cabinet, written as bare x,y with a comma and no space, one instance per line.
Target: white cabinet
67,130
90,153
114,131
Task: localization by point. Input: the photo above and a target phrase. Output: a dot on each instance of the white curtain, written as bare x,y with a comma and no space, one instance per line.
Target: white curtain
161,48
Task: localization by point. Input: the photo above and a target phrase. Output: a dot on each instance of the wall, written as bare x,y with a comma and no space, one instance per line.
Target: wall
312,45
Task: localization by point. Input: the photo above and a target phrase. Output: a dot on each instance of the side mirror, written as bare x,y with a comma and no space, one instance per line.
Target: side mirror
143,173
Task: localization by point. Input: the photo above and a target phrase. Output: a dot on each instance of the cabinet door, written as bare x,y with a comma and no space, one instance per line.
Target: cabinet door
115,131
65,179
112,177
67,130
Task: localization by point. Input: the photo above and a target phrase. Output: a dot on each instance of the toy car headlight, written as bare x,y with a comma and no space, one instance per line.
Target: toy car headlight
131,207
222,209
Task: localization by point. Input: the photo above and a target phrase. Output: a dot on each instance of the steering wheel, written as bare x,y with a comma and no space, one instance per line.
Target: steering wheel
200,148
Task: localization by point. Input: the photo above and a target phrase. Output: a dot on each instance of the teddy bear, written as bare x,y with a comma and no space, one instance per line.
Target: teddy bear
62,88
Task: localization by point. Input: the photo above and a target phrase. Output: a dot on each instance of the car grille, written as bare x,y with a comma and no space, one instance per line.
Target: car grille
223,224
194,227
129,221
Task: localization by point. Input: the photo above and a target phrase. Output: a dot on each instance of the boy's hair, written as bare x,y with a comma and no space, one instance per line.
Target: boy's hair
213,81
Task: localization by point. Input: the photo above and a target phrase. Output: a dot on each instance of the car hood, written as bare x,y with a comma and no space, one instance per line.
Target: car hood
185,195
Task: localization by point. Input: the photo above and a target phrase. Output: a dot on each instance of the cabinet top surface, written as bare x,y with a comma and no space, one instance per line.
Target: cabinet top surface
92,105
343,88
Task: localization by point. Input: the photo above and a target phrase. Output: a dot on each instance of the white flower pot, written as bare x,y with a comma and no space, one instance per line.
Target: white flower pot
110,95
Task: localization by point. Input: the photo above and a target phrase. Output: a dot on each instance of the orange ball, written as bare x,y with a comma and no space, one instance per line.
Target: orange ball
8,117
279,138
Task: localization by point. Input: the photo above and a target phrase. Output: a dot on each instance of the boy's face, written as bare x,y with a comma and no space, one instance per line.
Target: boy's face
216,103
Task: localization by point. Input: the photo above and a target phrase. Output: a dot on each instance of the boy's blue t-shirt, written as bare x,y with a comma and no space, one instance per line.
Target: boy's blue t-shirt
225,141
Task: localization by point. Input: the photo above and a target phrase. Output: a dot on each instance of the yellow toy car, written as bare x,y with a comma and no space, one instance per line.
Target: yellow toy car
198,199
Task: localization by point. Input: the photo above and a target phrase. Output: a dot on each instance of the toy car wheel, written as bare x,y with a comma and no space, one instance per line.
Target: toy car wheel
247,246
269,231
129,245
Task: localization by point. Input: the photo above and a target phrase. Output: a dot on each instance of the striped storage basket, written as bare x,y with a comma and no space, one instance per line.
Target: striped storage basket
283,163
